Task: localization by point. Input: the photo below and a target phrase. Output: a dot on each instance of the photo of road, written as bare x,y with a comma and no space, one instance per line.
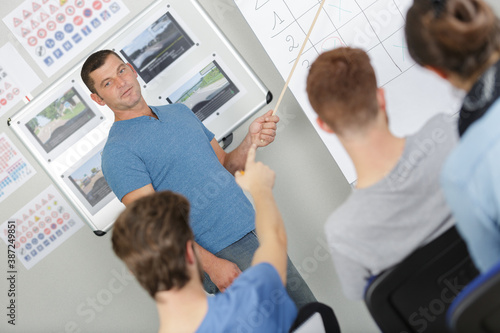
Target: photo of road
157,47
59,120
205,92
89,180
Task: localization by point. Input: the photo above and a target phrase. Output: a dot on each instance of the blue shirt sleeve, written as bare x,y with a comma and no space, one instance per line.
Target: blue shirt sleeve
257,301
123,170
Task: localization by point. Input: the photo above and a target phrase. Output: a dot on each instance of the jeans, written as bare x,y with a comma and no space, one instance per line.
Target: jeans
241,253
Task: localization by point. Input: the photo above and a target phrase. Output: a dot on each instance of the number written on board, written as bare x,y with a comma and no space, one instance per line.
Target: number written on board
289,38
260,3
276,18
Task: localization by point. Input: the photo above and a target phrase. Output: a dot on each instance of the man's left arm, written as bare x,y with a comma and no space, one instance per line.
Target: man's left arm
261,132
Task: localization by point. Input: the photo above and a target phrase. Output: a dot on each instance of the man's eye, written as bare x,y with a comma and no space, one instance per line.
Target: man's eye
122,70
107,84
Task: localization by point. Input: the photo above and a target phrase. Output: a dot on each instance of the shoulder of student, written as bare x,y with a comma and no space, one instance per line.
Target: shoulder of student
441,129
346,217
444,123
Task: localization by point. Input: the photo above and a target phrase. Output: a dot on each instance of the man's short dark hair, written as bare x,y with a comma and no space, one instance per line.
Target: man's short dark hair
150,236
93,62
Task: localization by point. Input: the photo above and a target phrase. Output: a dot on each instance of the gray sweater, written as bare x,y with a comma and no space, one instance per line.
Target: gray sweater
378,226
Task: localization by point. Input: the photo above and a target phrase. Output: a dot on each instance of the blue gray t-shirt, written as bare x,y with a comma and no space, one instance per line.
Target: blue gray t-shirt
256,302
174,153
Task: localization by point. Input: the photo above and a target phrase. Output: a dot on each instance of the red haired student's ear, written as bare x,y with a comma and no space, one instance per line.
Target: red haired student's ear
324,126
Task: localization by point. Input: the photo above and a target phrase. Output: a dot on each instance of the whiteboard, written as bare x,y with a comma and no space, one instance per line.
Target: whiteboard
413,94
180,56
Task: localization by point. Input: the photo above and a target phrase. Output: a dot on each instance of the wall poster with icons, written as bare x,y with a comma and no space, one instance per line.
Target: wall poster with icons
17,79
15,170
53,32
42,225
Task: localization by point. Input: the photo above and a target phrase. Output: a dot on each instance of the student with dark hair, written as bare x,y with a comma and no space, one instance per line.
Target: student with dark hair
460,41
397,204
154,239
158,148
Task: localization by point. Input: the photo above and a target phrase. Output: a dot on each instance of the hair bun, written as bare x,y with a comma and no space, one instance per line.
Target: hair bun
465,26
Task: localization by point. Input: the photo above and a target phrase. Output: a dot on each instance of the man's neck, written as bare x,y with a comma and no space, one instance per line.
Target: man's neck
141,109
182,310
374,155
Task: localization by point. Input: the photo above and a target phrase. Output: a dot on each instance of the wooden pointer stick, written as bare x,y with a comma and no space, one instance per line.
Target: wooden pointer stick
298,58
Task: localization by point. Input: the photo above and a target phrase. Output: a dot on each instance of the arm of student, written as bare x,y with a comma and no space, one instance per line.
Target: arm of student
262,132
353,277
271,232
258,180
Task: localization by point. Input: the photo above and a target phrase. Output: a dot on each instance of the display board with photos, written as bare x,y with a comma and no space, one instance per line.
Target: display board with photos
180,57
66,131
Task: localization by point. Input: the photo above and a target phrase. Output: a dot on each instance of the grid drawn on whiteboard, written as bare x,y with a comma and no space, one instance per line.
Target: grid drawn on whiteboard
377,26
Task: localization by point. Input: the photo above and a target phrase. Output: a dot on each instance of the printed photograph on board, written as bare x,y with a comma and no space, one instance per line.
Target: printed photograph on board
205,92
60,120
87,182
157,47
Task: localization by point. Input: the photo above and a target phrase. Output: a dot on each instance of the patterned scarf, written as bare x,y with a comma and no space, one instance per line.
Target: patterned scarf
479,99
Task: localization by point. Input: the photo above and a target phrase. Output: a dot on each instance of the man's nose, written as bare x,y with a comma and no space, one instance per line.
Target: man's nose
120,81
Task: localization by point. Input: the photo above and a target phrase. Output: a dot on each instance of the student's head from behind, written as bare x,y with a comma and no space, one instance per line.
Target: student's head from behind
153,237
453,37
342,89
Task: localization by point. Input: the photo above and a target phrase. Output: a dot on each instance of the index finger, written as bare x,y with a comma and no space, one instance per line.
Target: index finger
269,113
273,119
251,153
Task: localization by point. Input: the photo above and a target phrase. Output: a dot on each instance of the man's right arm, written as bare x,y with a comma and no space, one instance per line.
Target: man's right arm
258,180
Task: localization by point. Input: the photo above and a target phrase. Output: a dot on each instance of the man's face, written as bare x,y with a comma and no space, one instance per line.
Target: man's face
116,85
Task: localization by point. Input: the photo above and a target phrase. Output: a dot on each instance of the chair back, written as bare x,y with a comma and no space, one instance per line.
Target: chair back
477,308
315,317
414,295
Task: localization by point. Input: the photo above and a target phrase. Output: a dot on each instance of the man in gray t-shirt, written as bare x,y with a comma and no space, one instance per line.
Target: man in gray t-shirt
397,205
